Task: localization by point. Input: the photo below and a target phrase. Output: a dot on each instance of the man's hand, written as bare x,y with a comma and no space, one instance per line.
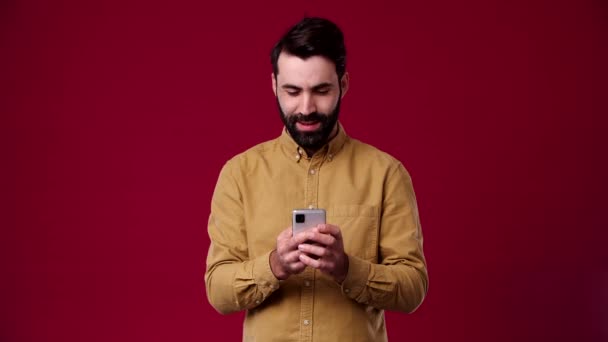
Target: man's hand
285,259
329,249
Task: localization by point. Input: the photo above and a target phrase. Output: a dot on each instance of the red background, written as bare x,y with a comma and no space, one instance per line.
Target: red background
118,115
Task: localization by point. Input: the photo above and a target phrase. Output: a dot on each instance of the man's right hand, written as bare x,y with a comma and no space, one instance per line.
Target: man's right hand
285,259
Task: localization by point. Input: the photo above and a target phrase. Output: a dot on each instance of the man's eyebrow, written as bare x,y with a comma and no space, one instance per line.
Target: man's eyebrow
291,87
316,87
322,85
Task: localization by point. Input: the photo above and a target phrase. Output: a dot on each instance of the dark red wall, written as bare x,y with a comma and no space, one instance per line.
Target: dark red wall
117,116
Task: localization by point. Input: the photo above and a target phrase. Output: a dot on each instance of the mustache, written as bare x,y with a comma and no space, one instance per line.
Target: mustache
312,117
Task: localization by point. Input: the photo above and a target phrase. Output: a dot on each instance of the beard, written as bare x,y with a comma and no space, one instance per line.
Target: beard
311,140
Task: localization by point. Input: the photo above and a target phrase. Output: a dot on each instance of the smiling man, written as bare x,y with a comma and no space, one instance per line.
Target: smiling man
308,92
334,281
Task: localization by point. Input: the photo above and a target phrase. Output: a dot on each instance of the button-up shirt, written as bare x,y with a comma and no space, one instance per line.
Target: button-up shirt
366,193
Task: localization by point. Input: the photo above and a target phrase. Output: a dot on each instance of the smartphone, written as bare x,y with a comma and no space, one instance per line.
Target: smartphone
304,219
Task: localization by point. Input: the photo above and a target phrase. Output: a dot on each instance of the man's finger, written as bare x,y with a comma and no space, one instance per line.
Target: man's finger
308,261
291,256
312,249
297,267
322,238
330,229
302,236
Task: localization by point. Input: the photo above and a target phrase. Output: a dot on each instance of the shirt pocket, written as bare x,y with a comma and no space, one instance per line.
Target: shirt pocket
359,226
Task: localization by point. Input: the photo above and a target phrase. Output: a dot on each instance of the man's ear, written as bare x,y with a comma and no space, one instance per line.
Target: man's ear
344,83
274,84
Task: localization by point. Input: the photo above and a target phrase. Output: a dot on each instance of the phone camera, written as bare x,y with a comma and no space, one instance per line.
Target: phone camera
300,218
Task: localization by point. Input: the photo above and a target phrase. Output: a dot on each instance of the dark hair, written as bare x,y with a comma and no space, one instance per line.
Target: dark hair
312,36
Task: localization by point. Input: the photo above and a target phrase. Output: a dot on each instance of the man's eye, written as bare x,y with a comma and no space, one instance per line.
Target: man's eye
322,91
293,93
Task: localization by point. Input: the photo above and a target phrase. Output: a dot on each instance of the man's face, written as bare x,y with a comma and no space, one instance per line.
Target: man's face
308,94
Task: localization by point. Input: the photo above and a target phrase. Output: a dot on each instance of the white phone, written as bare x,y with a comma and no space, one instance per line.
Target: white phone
304,219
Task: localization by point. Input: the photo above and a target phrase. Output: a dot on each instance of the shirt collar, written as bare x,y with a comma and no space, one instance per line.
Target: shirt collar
330,149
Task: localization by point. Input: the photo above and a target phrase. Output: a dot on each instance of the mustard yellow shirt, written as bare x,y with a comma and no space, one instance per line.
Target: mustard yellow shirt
367,193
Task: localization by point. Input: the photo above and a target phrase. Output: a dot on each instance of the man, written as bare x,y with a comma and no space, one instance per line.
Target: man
332,282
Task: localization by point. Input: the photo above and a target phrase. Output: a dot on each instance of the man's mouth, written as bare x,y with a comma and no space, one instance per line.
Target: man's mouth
307,126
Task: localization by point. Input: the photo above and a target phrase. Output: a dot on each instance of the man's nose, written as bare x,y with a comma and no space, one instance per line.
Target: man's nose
308,105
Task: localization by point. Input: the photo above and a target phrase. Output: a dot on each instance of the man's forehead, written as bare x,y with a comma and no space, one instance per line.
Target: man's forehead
311,71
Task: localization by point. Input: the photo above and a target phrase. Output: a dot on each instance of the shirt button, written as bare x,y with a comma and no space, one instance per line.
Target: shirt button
312,171
346,290
257,302
306,322
307,283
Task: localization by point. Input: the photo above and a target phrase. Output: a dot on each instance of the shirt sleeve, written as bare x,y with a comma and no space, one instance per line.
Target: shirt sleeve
399,281
233,281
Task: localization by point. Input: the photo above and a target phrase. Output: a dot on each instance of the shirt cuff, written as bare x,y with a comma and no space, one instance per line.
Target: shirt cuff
263,274
356,278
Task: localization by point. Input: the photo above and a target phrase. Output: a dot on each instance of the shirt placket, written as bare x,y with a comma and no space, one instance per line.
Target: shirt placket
308,284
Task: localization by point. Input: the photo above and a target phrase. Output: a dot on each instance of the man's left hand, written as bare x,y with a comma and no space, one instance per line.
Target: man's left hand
329,249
